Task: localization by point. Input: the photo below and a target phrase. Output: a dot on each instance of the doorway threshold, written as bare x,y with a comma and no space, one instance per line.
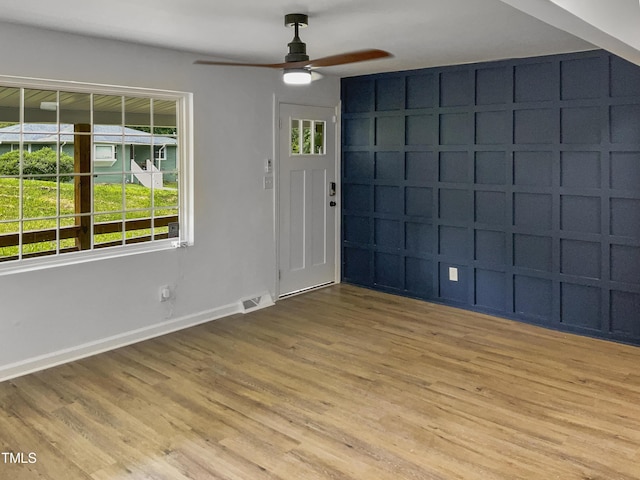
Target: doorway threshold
305,290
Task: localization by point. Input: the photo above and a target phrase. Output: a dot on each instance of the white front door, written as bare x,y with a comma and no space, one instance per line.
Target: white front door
308,197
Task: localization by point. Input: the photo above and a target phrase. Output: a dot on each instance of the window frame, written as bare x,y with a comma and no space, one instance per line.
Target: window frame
313,146
104,162
184,124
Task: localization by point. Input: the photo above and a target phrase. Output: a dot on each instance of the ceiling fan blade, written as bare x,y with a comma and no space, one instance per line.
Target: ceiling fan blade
333,60
240,64
350,57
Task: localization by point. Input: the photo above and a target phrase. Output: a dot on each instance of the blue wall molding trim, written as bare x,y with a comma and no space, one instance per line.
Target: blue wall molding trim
524,175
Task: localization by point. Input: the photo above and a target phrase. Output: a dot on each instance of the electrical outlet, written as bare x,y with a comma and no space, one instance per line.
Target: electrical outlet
268,182
453,274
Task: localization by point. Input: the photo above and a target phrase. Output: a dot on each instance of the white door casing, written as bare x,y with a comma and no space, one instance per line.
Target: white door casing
308,198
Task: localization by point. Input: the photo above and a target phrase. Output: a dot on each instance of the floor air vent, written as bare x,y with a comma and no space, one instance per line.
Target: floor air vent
256,303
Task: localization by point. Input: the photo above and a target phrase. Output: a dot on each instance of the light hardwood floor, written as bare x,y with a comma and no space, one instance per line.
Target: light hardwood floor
340,383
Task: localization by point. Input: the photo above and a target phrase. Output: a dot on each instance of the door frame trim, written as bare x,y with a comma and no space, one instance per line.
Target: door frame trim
277,103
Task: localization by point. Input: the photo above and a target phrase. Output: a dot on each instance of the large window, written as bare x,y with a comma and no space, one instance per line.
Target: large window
79,171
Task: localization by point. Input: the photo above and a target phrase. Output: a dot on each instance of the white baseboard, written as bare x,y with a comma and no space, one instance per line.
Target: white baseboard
53,359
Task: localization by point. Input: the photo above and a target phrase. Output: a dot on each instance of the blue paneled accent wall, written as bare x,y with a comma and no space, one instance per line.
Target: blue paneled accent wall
524,175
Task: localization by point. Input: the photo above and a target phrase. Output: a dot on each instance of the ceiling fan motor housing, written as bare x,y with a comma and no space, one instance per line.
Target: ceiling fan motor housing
291,19
297,48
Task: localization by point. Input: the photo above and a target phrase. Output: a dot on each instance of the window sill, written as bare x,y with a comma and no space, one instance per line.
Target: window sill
42,263
104,163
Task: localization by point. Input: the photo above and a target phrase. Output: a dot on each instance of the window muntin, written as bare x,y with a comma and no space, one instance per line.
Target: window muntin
101,202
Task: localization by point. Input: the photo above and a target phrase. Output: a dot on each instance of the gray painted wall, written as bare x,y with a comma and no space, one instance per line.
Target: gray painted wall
85,307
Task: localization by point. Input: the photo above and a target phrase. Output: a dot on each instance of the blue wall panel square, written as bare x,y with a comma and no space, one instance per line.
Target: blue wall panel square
625,309
455,129
580,258
387,199
421,91
357,166
490,247
625,78
389,166
454,167
581,78
535,82
356,229
490,168
625,217
491,289
625,170
493,128
356,265
388,270
390,93
532,251
491,208
532,210
581,306
421,167
581,125
492,86
455,88
357,95
580,214
625,124
356,132
532,168
419,276
421,130
387,233
453,243
625,264
533,297
390,131
418,237
580,169
455,205
419,201
454,291
535,126
357,197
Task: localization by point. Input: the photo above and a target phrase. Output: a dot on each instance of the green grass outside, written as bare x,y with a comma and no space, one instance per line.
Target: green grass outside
40,200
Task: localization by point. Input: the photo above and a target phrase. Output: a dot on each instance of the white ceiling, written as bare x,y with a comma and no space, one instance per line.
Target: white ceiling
419,33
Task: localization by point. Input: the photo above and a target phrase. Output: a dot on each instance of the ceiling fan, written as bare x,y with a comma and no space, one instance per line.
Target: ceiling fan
297,66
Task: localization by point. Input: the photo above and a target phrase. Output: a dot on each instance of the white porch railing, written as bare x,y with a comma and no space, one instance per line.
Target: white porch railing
149,177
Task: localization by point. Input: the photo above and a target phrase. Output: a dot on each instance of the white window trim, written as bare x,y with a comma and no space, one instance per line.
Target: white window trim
104,162
185,149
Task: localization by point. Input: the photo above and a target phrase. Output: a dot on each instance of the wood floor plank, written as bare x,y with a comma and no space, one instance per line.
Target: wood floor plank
339,383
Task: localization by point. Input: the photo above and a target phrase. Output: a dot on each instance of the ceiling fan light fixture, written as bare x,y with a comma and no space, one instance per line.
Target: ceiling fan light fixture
296,76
